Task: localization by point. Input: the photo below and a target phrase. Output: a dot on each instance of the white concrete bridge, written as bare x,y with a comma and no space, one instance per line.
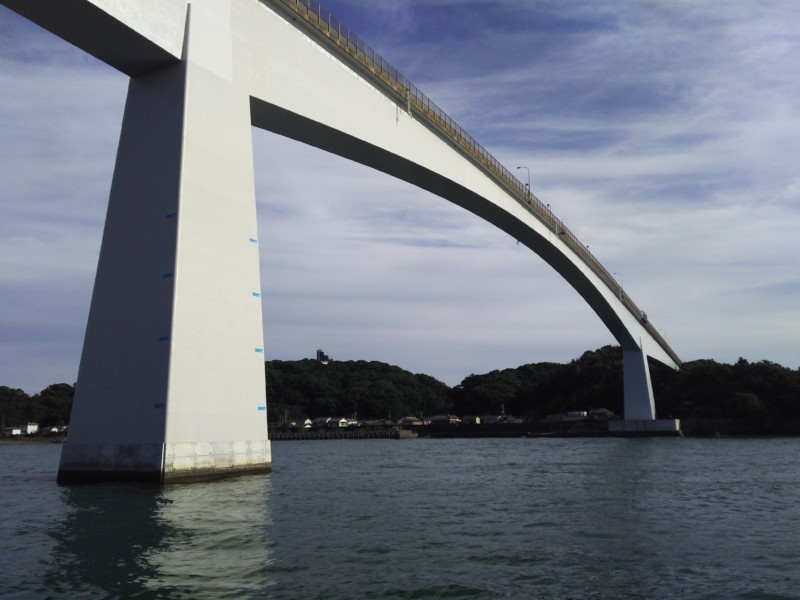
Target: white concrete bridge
171,379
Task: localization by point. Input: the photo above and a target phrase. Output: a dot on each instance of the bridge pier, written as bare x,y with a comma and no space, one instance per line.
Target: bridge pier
639,402
640,410
171,379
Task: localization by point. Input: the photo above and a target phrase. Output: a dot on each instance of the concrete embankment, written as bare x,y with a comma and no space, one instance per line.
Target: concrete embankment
25,439
577,428
564,428
343,434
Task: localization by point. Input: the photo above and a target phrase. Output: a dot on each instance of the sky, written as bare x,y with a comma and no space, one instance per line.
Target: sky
665,134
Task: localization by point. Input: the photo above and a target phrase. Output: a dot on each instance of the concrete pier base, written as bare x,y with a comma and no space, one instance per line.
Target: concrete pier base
200,461
645,428
87,462
163,463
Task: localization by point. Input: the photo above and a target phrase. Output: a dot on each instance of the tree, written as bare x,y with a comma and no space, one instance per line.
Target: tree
14,407
54,404
369,389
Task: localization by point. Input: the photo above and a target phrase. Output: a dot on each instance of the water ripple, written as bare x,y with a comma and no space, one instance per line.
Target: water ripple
600,518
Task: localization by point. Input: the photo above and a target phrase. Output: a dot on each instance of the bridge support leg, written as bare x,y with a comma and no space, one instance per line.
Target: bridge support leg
171,380
639,403
640,411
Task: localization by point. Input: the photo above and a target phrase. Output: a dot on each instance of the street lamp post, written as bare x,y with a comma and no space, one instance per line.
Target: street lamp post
620,285
529,179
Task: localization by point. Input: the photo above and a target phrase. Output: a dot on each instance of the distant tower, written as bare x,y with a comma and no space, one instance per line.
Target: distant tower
322,357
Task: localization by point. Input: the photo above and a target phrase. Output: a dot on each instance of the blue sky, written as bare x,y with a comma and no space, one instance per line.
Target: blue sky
666,135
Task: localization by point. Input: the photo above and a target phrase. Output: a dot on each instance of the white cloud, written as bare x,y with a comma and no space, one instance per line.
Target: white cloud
665,134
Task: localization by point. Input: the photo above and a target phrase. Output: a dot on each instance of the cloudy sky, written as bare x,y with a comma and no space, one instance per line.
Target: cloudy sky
666,135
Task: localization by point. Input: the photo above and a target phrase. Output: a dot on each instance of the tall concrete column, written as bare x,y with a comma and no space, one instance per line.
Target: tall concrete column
639,403
171,380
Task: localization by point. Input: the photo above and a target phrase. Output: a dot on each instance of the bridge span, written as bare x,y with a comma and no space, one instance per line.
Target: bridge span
171,379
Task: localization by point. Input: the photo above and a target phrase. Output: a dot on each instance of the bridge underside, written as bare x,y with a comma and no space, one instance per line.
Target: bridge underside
171,381
639,400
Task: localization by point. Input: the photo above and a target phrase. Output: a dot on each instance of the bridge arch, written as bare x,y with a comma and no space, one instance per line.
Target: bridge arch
177,292
391,126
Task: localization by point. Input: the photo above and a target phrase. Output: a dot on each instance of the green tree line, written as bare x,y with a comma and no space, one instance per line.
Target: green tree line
764,394
369,390
50,407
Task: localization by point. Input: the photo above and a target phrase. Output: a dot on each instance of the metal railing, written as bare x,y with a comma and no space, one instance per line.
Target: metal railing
408,95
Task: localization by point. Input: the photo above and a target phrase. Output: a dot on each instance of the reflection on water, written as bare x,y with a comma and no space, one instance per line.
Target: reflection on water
188,541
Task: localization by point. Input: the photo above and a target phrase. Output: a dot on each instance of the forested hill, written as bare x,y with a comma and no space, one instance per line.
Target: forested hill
310,388
764,394
51,406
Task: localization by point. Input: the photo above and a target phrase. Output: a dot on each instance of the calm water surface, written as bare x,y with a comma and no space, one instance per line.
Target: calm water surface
520,518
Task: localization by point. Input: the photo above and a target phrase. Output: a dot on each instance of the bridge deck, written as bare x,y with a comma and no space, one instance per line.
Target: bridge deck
388,78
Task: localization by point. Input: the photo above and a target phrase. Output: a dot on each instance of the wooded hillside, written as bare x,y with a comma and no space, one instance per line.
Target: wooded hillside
764,394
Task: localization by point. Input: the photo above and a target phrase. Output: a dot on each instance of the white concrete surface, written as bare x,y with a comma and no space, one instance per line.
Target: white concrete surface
646,427
173,355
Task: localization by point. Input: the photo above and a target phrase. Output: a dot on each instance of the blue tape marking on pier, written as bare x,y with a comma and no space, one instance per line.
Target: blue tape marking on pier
262,408
163,338
171,215
256,294
259,349
253,240
166,276
159,405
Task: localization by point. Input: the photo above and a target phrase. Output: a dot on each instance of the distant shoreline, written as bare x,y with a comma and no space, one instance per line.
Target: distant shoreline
701,428
21,440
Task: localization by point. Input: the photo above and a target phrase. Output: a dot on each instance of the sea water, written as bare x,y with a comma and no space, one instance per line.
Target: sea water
424,518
